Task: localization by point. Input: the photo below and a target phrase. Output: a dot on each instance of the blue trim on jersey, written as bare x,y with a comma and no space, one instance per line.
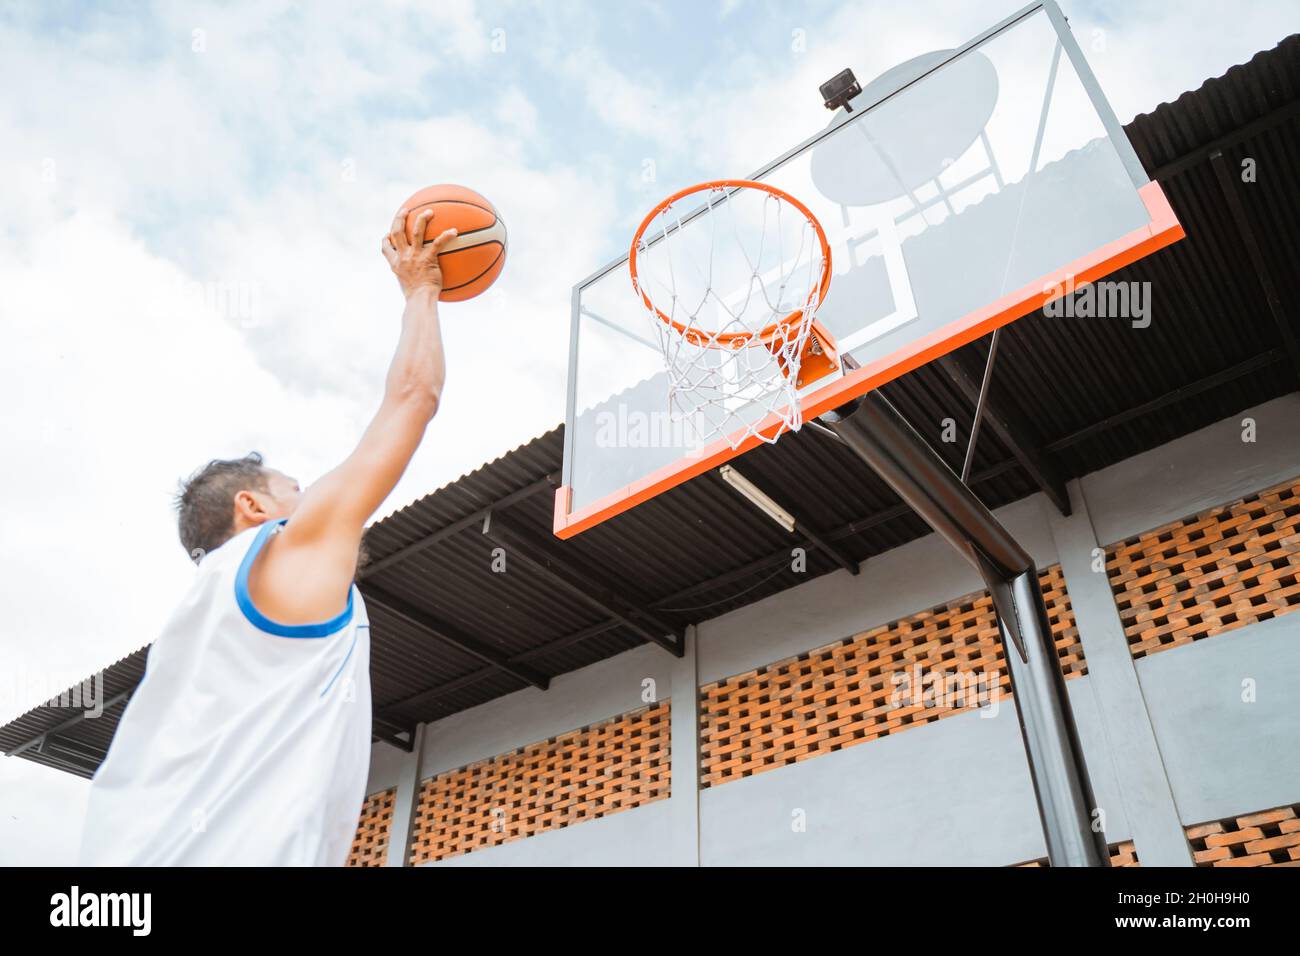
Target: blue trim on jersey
356,635
263,623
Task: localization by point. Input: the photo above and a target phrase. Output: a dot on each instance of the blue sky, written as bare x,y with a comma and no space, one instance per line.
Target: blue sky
195,194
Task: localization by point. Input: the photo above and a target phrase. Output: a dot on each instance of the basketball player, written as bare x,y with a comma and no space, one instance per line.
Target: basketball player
248,740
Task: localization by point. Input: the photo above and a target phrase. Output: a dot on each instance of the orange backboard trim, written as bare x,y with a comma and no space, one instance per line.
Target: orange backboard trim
1163,230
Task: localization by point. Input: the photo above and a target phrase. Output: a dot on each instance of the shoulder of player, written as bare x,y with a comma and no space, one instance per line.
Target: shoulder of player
296,581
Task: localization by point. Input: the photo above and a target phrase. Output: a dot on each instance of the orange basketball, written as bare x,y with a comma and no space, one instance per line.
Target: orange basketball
472,261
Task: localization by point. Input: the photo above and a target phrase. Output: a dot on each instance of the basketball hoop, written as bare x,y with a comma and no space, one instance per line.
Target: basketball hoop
734,284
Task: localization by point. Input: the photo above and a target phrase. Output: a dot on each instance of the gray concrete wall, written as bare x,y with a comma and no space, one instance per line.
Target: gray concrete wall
1131,747
1225,753
955,791
916,576
386,763
642,836
1196,472
631,838
603,690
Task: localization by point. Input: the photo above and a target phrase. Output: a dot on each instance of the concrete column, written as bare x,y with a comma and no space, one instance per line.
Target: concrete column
685,799
1130,739
406,801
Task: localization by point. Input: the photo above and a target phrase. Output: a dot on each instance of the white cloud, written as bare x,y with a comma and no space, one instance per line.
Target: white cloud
639,104
516,111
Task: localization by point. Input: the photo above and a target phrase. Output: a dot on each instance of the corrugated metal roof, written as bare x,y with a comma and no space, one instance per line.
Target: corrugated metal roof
1092,393
85,743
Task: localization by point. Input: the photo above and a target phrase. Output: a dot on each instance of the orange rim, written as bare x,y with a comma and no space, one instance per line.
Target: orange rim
733,340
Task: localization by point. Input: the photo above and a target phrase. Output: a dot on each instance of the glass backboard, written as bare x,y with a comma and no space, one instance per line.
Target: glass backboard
963,190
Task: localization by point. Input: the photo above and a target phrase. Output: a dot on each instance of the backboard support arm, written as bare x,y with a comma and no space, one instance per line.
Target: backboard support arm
981,400
883,439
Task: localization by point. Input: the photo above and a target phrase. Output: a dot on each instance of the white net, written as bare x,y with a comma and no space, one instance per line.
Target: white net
732,277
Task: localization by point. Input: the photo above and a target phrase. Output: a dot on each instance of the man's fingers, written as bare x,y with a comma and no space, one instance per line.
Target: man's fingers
446,236
389,250
420,227
397,232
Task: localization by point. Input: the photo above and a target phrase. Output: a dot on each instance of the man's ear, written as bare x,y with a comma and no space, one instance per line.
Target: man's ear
248,506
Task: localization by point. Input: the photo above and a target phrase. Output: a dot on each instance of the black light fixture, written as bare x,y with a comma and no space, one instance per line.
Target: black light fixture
839,89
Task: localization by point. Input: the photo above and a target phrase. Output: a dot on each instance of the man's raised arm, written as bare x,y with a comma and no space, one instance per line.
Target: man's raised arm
310,565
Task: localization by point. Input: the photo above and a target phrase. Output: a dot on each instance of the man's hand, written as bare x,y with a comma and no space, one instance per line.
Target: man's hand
415,263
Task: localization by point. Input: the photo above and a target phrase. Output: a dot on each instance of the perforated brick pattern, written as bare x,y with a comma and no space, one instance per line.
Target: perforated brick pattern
370,846
1210,573
1269,838
1121,854
839,695
589,773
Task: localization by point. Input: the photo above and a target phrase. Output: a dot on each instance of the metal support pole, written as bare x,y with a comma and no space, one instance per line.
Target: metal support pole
1052,747
881,437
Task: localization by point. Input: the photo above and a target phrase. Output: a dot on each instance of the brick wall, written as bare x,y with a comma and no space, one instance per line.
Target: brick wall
1269,838
370,846
589,773
1210,573
844,694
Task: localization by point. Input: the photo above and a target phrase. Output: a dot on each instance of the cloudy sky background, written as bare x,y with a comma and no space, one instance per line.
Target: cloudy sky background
189,228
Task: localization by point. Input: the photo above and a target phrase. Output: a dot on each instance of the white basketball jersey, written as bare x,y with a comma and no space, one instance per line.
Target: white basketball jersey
247,741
